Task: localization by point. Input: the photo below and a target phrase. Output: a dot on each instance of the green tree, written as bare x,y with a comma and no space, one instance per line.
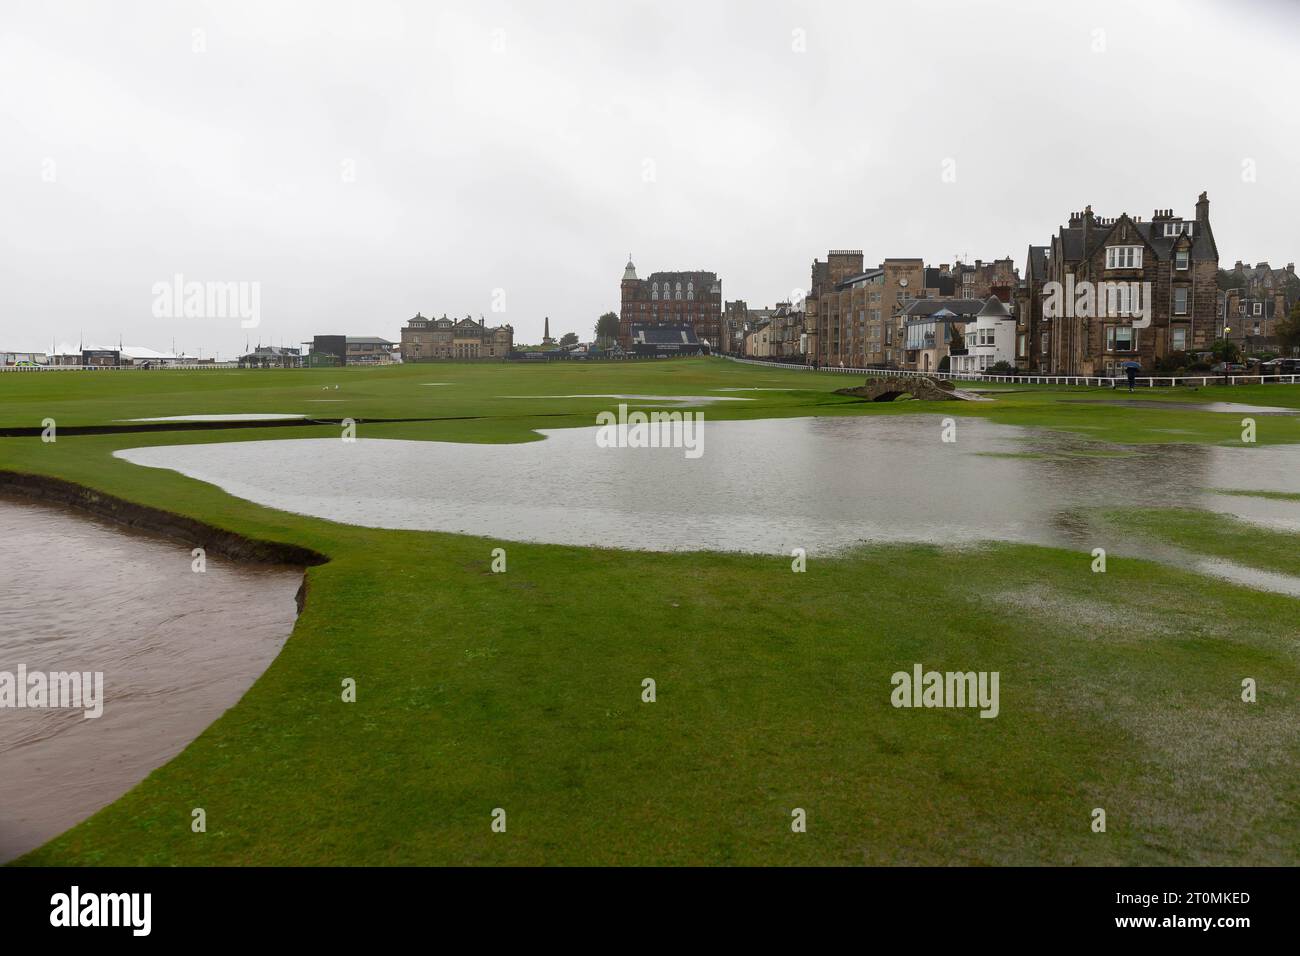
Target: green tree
569,338
1225,351
607,328
1288,331
1229,279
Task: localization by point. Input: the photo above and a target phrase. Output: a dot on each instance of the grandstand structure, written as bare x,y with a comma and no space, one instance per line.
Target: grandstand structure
661,339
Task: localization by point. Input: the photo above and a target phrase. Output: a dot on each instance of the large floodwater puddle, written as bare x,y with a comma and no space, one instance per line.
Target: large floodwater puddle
176,649
659,399
822,484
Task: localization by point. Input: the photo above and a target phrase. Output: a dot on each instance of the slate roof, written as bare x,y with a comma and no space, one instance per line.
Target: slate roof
1203,246
993,308
1037,262
965,309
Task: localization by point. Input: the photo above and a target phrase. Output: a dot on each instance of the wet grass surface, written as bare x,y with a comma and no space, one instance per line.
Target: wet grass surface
523,690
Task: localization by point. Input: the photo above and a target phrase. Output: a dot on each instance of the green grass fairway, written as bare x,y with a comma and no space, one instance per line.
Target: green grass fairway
522,690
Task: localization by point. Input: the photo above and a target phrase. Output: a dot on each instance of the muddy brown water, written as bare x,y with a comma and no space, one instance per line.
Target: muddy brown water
177,649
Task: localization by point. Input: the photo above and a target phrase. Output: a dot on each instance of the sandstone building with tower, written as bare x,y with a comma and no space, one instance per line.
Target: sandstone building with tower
691,298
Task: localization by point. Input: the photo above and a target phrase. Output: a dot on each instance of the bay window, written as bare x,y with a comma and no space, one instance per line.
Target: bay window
1124,257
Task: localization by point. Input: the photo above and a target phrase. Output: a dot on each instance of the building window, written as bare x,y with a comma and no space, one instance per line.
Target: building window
1181,259
1178,228
1179,340
1259,308
1180,300
1121,338
1124,257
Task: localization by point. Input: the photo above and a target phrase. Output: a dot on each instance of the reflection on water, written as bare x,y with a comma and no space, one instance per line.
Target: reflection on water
764,486
1187,406
641,399
176,649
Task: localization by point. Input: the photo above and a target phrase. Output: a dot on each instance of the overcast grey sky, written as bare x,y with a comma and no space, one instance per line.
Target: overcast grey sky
364,160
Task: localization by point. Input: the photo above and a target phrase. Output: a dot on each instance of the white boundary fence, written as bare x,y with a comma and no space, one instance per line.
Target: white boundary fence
117,368
1147,381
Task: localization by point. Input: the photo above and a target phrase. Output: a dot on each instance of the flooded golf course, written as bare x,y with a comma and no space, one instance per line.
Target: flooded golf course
768,486
176,649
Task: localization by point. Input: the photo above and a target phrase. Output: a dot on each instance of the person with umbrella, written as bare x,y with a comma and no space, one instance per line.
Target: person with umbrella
1131,370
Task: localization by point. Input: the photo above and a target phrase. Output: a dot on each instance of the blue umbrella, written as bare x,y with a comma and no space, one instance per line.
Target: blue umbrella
1132,365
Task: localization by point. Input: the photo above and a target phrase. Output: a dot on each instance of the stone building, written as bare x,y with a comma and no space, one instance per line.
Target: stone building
758,340
932,328
781,328
853,317
1106,276
1028,298
671,298
983,279
1257,298
786,329
429,340
987,342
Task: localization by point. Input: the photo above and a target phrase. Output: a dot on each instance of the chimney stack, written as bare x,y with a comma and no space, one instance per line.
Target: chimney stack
1203,208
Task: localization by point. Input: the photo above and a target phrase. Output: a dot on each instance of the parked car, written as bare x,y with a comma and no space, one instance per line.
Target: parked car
1281,366
1227,368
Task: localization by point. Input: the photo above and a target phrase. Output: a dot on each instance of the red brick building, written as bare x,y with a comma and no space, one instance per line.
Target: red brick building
672,298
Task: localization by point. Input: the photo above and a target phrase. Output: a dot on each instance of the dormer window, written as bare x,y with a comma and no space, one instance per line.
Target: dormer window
1181,259
1124,257
1178,229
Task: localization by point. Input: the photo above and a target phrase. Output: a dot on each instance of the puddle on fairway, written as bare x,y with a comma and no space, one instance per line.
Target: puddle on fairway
1187,406
669,399
1249,577
251,417
822,484
177,649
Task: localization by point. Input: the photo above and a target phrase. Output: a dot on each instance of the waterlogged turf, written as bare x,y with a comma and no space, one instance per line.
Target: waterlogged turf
523,690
